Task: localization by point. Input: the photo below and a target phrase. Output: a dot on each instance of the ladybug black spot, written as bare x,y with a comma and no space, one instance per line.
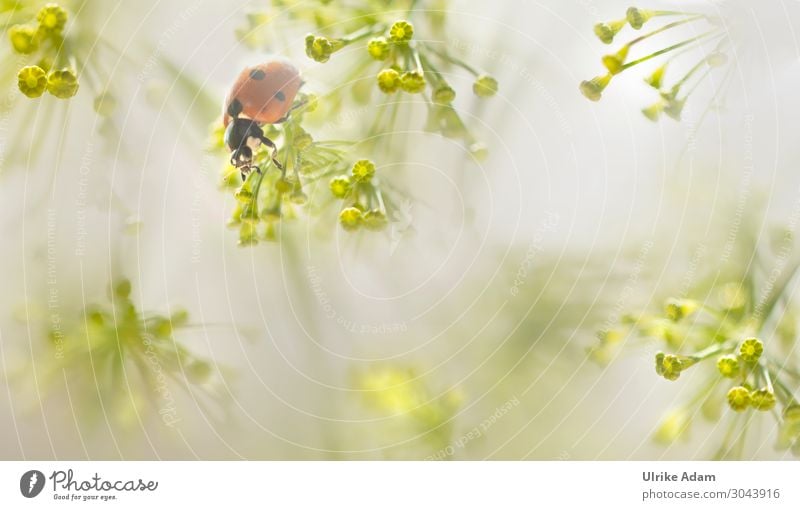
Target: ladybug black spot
257,74
280,96
235,108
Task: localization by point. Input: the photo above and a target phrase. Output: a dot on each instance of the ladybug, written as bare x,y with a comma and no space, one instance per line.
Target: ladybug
262,94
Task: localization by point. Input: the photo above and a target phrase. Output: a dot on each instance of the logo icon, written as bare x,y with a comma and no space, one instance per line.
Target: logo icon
31,483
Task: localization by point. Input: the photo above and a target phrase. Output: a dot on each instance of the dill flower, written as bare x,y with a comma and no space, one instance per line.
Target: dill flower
763,380
728,366
363,170
654,111
379,48
62,83
739,398
52,18
401,31
105,104
656,78
670,366
677,309
444,94
672,96
674,426
320,48
137,352
24,39
412,82
402,393
389,80
762,399
593,89
350,218
375,219
485,86
751,349
283,185
638,17
340,186
607,31
32,81
615,63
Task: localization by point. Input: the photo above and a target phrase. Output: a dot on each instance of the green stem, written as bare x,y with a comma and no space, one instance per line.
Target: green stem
668,49
783,388
674,13
697,84
664,29
434,71
711,351
362,33
726,447
453,60
257,186
415,56
776,296
767,378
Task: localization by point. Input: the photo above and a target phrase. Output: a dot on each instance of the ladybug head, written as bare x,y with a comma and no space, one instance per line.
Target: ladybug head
242,136
242,157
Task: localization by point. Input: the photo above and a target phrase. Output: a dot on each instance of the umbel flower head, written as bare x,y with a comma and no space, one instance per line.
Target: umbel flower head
739,398
670,366
751,349
32,81
340,186
363,170
725,342
412,82
485,86
43,37
52,19
403,394
24,38
406,63
266,199
350,218
62,83
401,31
389,80
379,48
728,366
671,96
321,48
126,362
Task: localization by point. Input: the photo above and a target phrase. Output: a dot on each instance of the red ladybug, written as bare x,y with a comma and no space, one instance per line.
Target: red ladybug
262,94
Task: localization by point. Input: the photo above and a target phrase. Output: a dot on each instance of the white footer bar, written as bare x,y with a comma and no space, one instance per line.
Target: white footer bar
401,485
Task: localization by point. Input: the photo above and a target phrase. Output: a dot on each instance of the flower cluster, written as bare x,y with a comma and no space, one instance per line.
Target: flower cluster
121,360
729,336
366,207
402,392
387,57
710,44
42,37
411,65
267,197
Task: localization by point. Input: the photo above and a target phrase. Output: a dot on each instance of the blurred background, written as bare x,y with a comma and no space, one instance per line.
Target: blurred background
462,331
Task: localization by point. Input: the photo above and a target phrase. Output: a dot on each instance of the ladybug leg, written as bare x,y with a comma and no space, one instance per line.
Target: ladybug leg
269,143
294,107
